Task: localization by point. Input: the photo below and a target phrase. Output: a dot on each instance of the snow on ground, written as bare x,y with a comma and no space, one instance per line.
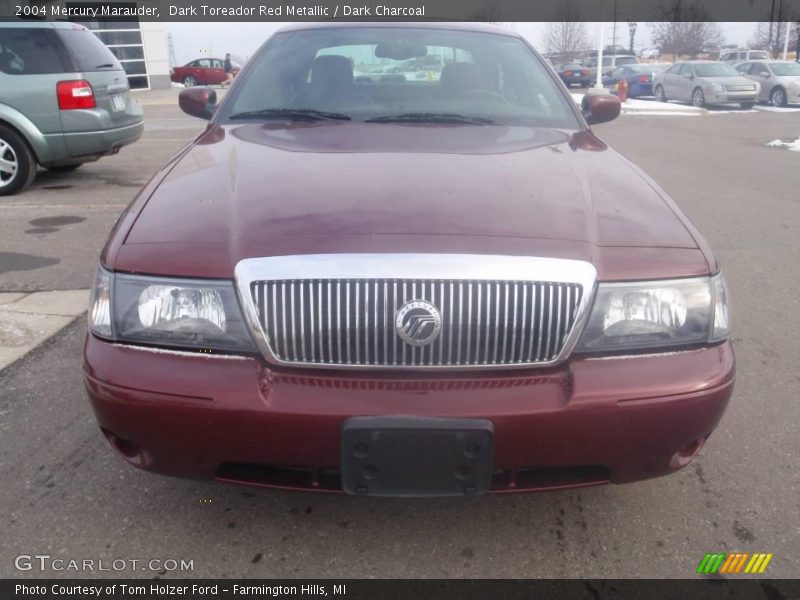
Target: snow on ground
793,146
635,106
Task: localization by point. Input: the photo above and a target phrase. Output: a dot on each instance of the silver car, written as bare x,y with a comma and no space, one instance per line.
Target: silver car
63,101
704,83
779,80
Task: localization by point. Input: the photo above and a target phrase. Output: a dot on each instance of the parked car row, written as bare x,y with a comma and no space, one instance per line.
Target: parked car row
779,80
704,83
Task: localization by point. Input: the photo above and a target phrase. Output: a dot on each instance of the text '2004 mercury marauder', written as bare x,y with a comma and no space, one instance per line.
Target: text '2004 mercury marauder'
404,285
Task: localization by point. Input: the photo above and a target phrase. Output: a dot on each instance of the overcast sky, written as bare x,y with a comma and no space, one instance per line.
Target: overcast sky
192,40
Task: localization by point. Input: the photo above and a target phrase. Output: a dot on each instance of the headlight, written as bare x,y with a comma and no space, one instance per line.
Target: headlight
657,314
718,87
180,313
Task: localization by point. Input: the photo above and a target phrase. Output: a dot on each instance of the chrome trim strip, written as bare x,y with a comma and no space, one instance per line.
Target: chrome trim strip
414,267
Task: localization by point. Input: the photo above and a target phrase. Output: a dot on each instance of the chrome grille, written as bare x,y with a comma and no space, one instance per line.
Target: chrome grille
340,311
352,322
740,88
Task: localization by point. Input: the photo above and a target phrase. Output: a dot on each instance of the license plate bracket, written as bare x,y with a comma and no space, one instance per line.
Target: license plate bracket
416,456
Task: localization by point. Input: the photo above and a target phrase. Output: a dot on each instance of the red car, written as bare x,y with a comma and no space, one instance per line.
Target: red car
203,71
448,286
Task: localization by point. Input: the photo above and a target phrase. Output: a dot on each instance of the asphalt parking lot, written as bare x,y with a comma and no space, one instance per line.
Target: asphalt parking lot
65,493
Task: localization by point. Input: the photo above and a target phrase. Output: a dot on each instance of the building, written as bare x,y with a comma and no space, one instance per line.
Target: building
141,46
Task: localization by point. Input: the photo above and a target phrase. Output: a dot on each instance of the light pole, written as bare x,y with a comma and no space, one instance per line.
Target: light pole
632,29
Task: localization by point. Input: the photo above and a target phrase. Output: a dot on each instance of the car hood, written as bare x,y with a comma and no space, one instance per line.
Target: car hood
731,80
268,189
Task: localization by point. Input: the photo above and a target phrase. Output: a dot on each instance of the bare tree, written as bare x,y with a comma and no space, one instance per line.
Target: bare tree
760,38
568,36
683,28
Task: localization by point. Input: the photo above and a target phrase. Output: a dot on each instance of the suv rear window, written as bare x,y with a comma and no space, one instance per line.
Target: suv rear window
88,51
30,51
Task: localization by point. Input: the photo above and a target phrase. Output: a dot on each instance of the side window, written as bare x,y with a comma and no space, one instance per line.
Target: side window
30,51
204,63
217,63
687,69
744,68
758,68
674,69
726,57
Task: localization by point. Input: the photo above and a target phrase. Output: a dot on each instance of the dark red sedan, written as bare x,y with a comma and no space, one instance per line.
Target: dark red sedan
442,286
203,71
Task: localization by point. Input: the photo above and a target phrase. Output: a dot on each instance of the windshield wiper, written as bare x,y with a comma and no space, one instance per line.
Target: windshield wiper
430,118
104,66
294,114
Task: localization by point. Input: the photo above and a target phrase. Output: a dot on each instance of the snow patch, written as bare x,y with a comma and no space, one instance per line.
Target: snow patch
794,146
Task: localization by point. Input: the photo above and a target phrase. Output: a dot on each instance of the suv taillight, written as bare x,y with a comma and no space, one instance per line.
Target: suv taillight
74,94
644,78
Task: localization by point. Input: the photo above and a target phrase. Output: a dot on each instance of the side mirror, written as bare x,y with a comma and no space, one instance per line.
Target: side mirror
198,102
600,108
689,76
764,74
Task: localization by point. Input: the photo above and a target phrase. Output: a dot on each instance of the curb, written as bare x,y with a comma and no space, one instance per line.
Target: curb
29,319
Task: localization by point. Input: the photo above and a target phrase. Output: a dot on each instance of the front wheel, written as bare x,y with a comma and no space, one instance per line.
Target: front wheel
17,162
778,97
190,81
698,98
660,95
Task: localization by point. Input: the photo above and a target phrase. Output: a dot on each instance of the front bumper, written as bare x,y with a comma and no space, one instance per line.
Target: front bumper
586,422
731,97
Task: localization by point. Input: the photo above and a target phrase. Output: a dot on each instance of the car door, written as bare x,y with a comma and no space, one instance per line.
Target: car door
671,81
760,73
685,82
613,78
217,71
201,70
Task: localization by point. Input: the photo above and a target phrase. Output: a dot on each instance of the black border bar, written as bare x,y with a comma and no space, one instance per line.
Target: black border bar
712,588
405,10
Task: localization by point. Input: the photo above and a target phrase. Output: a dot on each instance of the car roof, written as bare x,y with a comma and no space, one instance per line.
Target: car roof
459,26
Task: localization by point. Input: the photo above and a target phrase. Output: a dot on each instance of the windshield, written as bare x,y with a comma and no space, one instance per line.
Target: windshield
715,70
373,74
786,69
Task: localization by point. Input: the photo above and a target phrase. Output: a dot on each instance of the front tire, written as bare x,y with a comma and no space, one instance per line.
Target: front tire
661,96
189,81
17,162
777,97
698,98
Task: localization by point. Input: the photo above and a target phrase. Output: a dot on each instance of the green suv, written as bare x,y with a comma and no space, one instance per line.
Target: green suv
63,101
